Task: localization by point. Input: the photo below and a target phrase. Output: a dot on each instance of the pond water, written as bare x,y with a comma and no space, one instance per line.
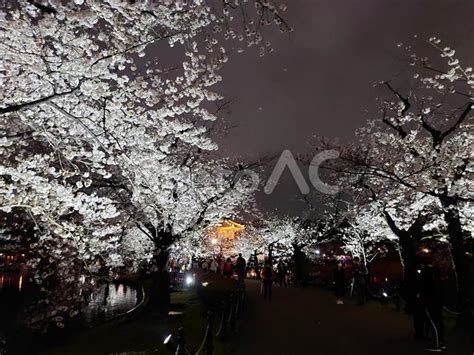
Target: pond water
107,300
11,282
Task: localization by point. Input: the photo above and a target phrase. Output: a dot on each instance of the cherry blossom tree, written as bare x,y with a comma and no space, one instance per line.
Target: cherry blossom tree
278,237
273,236
420,150
200,196
105,110
362,230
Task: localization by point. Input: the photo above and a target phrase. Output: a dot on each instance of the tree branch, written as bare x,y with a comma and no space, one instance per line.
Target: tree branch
45,99
392,224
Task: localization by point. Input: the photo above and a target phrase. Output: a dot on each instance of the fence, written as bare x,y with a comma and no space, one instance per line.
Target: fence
231,310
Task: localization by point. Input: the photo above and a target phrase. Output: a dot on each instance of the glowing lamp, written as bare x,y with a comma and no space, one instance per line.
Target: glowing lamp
189,280
167,339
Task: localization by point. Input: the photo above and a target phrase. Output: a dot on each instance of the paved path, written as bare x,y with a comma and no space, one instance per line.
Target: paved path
307,321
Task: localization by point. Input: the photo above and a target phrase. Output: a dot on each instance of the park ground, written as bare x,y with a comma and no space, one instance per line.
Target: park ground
296,321
308,321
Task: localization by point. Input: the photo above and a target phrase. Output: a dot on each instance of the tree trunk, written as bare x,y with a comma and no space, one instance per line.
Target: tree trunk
409,245
270,254
461,264
162,238
298,259
160,294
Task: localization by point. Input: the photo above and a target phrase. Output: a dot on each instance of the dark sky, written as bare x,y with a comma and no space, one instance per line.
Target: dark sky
320,79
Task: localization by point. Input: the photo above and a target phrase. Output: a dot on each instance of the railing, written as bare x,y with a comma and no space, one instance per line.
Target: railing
231,310
399,301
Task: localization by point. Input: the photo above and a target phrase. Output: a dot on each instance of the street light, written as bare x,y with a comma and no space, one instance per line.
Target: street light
167,339
189,280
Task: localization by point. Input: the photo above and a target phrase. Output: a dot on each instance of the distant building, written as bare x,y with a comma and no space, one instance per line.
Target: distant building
12,259
222,237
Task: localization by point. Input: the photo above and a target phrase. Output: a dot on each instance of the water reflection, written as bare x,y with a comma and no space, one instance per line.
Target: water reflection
11,282
102,301
11,298
109,300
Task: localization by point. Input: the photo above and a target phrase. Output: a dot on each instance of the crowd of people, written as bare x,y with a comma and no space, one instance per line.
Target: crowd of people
269,275
354,279
426,308
240,268
348,278
222,265
358,281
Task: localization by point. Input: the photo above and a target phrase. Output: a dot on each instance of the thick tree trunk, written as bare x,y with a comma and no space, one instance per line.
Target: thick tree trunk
408,248
160,289
270,254
298,259
409,243
163,238
460,260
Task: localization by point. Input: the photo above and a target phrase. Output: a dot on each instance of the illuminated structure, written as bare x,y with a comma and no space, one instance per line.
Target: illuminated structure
222,237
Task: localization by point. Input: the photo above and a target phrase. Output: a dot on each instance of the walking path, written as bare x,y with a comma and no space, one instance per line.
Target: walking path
308,321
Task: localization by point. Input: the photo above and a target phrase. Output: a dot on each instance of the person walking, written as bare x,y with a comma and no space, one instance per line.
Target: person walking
241,266
267,280
205,266
281,273
228,268
256,264
195,265
416,306
214,266
431,297
360,281
221,262
339,283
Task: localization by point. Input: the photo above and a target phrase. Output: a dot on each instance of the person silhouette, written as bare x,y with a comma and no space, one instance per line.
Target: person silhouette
267,280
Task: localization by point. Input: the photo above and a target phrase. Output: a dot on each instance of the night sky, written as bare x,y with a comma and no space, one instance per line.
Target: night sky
319,80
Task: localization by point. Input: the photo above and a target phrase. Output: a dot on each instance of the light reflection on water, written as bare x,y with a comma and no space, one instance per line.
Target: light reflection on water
11,295
11,281
106,302
109,300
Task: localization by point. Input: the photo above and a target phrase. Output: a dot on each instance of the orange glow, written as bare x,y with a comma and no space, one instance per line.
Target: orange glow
224,235
228,229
